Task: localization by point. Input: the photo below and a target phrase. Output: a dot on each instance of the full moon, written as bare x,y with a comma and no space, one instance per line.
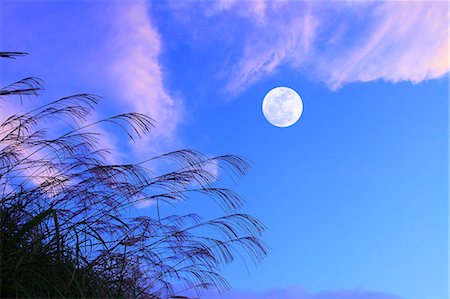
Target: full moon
282,107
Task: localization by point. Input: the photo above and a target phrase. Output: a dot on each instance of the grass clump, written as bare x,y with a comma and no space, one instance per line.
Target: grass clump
69,226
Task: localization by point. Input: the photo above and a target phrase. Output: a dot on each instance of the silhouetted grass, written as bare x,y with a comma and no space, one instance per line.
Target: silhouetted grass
69,227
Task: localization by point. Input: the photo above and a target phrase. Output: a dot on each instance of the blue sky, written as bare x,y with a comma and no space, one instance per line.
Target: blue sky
355,195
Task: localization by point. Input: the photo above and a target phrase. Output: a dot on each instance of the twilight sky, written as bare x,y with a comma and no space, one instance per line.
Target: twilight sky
355,195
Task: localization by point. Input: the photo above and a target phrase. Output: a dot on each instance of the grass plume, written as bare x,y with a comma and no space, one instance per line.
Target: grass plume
69,227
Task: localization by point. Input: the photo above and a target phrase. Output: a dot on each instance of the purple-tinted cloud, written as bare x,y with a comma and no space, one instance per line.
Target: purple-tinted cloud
337,42
110,48
136,69
301,293
401,41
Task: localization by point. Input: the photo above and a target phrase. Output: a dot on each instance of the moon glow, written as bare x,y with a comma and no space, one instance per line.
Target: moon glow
282,106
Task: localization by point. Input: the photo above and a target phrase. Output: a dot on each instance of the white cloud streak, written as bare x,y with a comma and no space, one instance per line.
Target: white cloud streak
404,42
340,42
110,48
138,74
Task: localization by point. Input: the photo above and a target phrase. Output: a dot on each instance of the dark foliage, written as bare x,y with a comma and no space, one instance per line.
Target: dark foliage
69,226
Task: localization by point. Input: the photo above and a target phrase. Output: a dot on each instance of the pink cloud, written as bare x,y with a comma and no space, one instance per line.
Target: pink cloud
109,48
138,74
301,293
405,41
255,9
9,108
278,40
340,42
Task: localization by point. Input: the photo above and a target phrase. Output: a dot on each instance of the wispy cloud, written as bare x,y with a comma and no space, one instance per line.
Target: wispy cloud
402,41
110,48
138,74
338,42
8,109
301,293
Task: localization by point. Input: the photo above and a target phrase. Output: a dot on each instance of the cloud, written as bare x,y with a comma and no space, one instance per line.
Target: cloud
138,74
301,293
403,41
336,42
109,48
8,109
254,9
282,38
